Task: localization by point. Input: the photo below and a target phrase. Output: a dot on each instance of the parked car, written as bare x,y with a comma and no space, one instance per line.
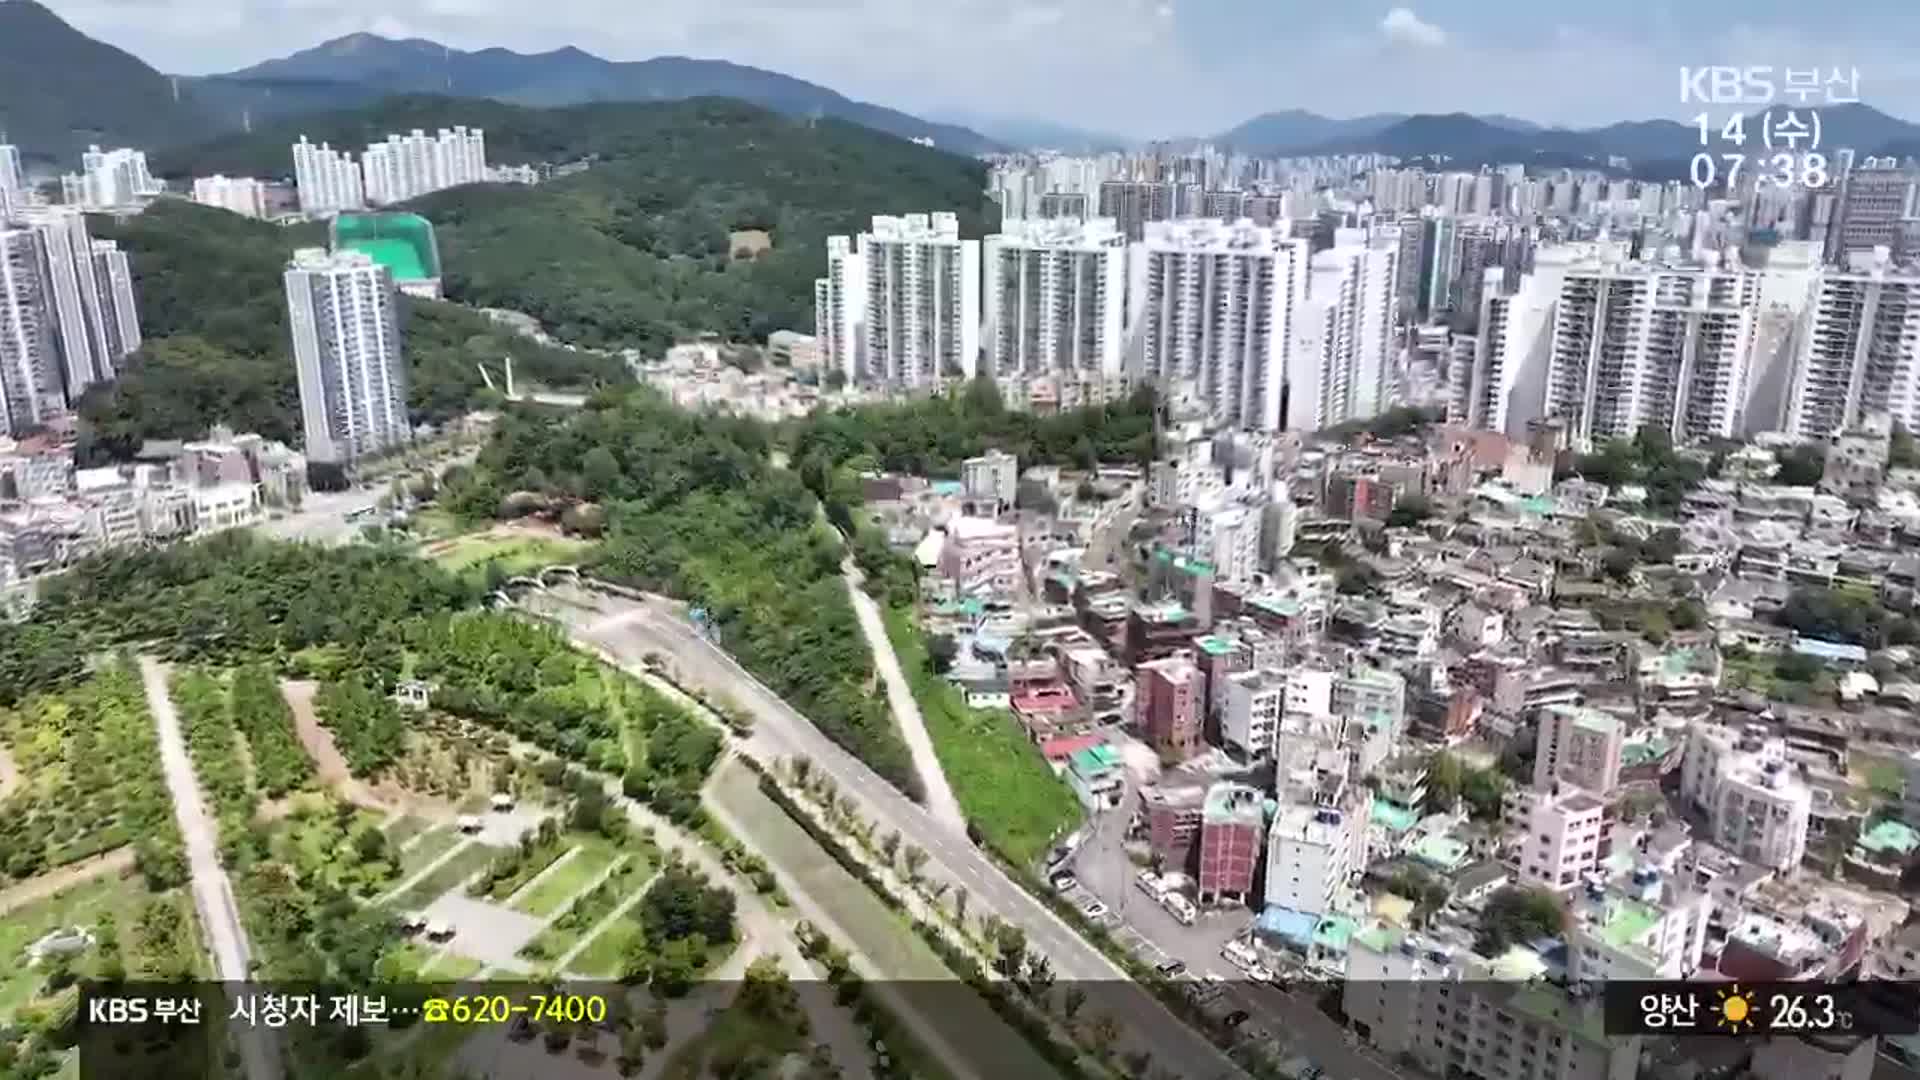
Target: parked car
1237,1017
1240,955
1150,883
1064,882
1095,910
1172,969
1179,907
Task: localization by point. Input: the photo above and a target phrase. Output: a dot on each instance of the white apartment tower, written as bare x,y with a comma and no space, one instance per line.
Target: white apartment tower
1664,347
1214,304
109,178
840,308
408,166
1053,297
242,195
346,352
923,300
328,180
30,385
13,175
1341,370
120,318
1856,352
76,306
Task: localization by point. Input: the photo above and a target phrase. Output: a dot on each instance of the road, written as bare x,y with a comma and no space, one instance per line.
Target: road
630,630
906,711
212,893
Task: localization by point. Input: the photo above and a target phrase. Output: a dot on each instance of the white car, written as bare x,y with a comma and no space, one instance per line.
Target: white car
1179,907
1095,910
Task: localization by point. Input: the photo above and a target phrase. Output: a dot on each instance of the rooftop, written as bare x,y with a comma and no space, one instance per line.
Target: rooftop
1627,921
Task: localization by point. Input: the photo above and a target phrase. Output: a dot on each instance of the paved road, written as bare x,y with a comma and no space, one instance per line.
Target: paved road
212,893
630,630
906,711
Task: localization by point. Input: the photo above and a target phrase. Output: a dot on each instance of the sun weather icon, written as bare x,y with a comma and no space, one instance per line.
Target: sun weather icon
1736,1008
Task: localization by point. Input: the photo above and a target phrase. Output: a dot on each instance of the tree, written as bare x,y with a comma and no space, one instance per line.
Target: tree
1072,1000
1802,466
601,472
1409,511
889,846
1104,1034
941,651
914,860
1514,915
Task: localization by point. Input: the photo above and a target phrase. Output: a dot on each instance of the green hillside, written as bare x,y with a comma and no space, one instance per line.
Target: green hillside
60,90
213,310
635,251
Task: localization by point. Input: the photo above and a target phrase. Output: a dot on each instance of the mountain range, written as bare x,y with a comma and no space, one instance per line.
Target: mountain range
60,90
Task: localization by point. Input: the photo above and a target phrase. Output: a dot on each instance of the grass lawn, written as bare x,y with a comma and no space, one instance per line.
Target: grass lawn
601,958
514,554
1004,786
84,905
470,861
451,968
965,1022
585,913
593,855
404,828
429,847
1883,775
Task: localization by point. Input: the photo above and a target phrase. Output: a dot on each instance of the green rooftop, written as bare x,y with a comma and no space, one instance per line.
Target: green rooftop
1381,937
1214,645
403,243
1094,759
1395,817
1334,932
1627,921
1552,1006
1891,837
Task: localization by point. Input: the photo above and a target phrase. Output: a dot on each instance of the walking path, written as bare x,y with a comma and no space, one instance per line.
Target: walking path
41,886
212,893
620,909
940,800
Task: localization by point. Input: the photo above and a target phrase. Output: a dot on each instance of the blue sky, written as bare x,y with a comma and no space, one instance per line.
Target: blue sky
1134,67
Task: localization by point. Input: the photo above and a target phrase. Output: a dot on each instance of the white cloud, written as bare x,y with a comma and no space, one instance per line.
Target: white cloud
1403,27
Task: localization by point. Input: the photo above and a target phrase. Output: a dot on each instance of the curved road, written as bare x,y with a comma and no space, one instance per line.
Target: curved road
629,630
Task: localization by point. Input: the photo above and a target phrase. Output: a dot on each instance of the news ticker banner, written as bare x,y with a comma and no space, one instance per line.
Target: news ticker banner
155,1030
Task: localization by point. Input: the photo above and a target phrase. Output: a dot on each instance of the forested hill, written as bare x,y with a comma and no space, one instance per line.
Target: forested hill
214,313
637,250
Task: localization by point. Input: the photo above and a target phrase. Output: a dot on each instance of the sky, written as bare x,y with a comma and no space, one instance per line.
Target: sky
1136,68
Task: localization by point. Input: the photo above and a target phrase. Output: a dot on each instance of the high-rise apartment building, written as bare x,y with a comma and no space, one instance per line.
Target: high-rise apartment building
31,392
79,312
1855,351
120,318
109,178
1341,369
343,313
1214,304
1133,204
241,194
327,179
923,300
1054,295
13,175
1877,201
840,308
1652,346
408,166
